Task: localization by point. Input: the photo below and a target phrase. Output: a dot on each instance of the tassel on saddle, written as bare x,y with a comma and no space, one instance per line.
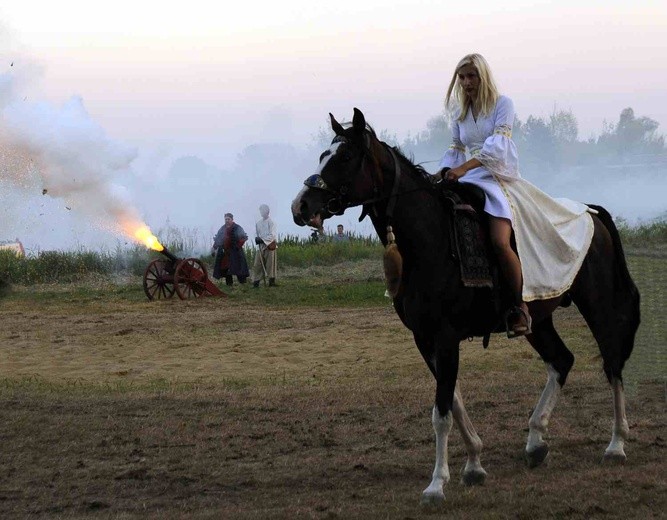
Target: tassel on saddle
393,264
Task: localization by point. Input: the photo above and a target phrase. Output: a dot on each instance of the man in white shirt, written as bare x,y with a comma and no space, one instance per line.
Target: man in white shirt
340,235
266,258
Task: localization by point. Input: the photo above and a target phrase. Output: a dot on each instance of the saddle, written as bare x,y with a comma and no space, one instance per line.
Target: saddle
469,234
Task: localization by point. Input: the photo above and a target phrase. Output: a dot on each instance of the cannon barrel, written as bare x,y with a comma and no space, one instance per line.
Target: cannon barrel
169,255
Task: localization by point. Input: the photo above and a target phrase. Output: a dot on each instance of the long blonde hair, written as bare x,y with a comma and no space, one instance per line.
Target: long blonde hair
487,95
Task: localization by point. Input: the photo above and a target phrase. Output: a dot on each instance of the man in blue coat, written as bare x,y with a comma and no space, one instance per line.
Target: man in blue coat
228,250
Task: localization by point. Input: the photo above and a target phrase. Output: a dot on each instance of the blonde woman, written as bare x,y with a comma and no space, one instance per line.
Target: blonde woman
550,234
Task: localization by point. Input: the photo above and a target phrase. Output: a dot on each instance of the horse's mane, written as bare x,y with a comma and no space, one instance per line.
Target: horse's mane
418,171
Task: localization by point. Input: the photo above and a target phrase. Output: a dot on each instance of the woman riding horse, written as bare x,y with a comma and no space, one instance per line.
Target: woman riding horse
482,122
561,263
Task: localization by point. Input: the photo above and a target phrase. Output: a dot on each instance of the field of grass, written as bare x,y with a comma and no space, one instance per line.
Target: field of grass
294,253
307,400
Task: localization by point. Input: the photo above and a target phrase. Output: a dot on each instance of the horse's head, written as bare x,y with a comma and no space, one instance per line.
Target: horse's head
346,176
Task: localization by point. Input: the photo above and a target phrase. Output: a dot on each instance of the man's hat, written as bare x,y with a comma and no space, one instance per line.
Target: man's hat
229,215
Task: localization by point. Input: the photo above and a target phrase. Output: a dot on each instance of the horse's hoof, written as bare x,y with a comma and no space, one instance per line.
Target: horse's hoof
536,457
474,477
432,499
614,458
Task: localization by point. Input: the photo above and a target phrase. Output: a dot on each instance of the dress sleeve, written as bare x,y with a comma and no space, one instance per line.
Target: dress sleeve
499,154
456,153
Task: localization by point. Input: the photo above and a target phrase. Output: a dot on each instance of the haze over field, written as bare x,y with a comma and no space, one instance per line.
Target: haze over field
186,112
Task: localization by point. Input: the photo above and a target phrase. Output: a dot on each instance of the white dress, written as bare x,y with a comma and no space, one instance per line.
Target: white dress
487,139
552,235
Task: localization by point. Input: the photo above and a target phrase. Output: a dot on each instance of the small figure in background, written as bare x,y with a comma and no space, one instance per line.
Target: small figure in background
228,250
266,259
318,235
340,235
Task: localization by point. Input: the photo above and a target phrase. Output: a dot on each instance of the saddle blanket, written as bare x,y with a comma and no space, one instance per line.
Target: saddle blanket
471,247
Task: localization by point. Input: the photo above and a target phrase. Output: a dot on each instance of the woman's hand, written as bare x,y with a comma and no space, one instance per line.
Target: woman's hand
454,174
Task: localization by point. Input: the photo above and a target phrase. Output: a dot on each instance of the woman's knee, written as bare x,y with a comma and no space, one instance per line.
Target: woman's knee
500,234
500,243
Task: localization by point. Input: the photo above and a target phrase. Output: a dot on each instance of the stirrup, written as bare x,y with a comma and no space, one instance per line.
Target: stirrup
511,332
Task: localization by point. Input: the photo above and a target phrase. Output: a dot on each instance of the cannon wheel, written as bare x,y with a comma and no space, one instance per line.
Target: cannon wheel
190,278
158,283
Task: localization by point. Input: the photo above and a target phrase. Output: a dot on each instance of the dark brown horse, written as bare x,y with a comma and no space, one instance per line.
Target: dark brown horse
358,169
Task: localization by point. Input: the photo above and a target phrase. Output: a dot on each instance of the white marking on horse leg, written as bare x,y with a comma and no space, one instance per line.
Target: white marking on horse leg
539,420
621,431
473,472
442,426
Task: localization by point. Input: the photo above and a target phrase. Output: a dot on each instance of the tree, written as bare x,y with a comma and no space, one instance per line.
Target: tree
430,145
632,135
563,126
540,146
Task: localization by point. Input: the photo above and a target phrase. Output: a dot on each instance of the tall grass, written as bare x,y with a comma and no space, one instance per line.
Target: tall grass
294,251
53,266
643,235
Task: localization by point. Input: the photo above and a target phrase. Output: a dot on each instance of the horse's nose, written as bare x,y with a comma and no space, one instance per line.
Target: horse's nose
299,209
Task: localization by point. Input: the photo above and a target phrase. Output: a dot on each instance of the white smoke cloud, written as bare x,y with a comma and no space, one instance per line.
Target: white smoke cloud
61,152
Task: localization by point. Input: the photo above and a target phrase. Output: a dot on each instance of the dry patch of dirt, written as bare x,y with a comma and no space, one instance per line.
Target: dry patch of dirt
323,413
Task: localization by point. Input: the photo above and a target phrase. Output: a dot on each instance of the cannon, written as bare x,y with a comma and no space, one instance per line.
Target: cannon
186,277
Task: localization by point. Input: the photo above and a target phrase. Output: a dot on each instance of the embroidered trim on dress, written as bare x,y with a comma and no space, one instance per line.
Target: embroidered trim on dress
504,130
457,147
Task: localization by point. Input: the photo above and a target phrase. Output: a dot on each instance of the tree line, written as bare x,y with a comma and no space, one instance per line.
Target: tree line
553,142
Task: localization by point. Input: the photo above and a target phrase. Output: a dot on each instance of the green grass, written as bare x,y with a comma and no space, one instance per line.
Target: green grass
293,252
650,235
306,292
649,357
328,253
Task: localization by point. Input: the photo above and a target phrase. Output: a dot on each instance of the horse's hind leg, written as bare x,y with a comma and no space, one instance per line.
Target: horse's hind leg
559,360
615,338
609,301
473,473
621,431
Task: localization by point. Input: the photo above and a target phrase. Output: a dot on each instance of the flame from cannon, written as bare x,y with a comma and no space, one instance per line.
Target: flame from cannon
144,235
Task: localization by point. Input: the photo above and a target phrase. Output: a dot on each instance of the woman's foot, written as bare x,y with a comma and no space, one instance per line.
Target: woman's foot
518,321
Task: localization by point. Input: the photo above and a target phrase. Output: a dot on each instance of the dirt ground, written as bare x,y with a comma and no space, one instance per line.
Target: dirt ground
114,408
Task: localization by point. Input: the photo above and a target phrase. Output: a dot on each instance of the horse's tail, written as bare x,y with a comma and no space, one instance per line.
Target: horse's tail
627,294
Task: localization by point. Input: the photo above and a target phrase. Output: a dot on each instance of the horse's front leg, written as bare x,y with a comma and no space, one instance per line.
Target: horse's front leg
559,360
446,361
536,447
442,425
473,472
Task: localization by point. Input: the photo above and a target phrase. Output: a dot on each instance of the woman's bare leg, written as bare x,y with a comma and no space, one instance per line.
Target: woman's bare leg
510,265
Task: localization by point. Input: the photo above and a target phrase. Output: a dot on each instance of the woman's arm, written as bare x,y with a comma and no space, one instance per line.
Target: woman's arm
458,172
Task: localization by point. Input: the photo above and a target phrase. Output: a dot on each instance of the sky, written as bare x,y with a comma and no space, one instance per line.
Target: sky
163,80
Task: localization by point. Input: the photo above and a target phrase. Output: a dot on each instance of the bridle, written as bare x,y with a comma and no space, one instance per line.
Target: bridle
340,200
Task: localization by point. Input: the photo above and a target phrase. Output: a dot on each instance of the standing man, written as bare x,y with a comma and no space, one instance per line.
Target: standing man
230,258
266,264
340,235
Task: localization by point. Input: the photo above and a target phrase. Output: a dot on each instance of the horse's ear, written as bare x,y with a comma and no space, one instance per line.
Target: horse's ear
336,126
358,121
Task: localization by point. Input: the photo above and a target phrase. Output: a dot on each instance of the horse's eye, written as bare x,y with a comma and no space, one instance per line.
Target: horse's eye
347,156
